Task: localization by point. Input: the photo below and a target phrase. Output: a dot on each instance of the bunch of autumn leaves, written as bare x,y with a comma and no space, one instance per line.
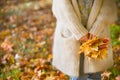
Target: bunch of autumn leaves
95,48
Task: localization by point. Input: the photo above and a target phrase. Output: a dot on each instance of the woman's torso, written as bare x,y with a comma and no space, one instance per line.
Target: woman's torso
85,8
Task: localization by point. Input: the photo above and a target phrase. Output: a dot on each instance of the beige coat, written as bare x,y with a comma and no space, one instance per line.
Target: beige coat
69,30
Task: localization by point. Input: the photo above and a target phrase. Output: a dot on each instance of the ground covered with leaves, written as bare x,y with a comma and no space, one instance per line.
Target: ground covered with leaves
26,36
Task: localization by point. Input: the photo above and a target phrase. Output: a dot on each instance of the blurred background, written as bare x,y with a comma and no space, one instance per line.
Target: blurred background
26,36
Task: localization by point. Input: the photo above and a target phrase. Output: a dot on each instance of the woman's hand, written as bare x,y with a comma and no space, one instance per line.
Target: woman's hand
84,38
91,36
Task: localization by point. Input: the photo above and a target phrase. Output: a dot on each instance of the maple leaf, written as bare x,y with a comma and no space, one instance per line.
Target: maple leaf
105,75
7,46
118,77
95,48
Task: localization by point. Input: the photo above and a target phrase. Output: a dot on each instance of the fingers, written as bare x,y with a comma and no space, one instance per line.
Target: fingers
84,38
91,36
106,40
103,46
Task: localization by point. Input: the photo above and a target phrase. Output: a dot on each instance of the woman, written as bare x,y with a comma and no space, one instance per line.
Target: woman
78,21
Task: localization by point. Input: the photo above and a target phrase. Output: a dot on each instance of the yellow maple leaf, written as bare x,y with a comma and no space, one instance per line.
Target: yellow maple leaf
95,48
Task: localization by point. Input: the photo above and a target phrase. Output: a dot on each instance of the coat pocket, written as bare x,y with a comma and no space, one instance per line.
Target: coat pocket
66,34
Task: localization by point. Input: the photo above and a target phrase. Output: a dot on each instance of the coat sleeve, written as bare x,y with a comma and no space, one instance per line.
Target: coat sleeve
63,10
107,16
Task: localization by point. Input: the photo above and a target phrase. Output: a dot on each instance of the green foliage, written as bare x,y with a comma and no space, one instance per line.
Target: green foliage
115,35
117,0
114,73
12,74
